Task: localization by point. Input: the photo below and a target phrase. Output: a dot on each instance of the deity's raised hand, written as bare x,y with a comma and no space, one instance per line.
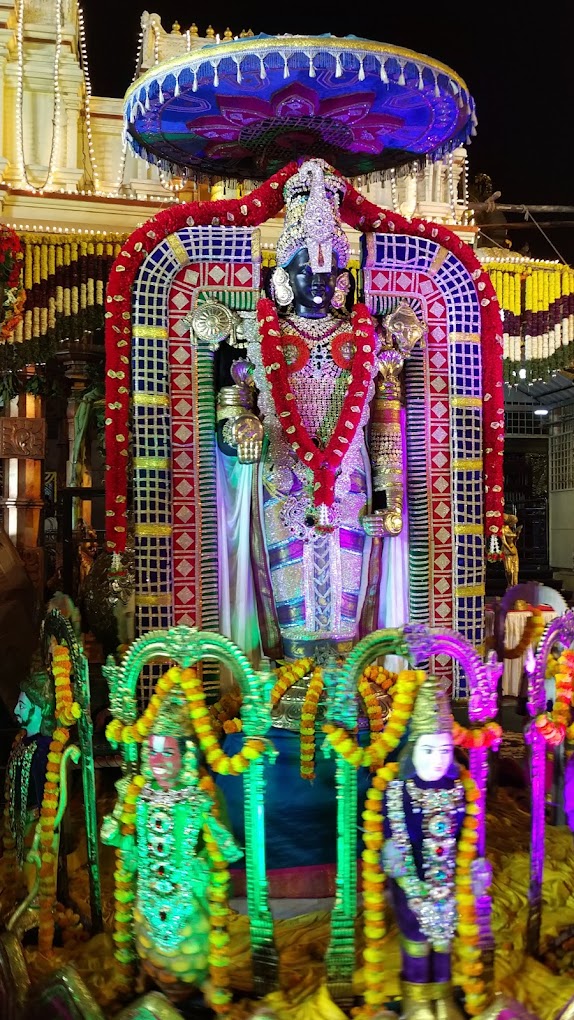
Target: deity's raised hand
383,522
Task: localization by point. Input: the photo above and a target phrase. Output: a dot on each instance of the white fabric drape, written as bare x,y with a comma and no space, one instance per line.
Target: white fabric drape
237,605
394,601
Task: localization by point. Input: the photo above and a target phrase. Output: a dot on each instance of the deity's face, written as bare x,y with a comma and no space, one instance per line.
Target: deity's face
432,756
28,714
164,758
313,292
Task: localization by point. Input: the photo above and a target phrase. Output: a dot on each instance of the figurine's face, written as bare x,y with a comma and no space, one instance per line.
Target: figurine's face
28,715
164,760
312,291
432,756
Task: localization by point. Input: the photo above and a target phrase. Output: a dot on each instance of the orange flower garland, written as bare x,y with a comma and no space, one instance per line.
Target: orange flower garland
380,677
218,896
374,927
488,735
554,726
287,676
408,683
67,712
124,896
308,720
191,686
475,994
533,631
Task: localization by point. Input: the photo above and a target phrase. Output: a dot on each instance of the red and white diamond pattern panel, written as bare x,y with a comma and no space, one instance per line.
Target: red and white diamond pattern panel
186,534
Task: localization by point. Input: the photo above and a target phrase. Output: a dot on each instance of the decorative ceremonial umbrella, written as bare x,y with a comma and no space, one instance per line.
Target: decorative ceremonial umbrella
243,109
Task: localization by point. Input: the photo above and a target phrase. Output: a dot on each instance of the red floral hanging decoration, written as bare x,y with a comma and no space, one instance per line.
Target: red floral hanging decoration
363,215
323,463
251,211
12,293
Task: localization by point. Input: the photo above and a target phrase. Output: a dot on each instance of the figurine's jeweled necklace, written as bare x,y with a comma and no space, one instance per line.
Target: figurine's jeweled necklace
431,898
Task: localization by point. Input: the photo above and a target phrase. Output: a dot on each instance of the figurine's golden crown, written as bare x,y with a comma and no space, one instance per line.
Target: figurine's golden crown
174,718
431,712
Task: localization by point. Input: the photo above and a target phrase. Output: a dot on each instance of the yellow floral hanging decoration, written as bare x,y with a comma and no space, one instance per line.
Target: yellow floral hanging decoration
381,744
191,686
67,713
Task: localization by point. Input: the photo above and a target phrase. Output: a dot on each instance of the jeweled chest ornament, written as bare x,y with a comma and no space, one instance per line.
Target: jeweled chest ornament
322,462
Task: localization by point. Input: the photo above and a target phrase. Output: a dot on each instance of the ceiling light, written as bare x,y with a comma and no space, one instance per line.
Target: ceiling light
540,410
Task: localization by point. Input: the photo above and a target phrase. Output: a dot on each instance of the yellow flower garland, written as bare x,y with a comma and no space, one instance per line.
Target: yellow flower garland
287,676
67,713
219,996
308,721
408,683
374,879
370,700
191,686
554,725
124,896
533,631
476,996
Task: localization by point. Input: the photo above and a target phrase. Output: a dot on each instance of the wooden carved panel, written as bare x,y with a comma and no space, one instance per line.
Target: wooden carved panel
23,437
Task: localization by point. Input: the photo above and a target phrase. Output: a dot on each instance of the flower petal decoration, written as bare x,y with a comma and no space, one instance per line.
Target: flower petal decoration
241,108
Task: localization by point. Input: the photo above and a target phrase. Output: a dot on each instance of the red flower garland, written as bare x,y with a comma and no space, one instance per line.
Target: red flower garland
363,215
323,463
254,209
263,203
13,294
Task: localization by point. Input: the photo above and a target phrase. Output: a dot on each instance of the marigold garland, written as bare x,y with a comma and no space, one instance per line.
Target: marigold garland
218,898
48,811
124,896
373,886
67,712
191,686
476,997
381,744
308,722
487,736
287,676
533,631
382,678
554,726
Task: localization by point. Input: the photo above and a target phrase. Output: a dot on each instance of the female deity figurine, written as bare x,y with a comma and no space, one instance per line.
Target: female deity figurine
309,471
172,874
423,814
511,532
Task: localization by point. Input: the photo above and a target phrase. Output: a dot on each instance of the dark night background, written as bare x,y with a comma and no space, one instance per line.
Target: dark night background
518,67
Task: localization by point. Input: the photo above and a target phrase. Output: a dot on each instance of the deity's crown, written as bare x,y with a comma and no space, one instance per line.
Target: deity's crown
312,220
174,718
431,712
